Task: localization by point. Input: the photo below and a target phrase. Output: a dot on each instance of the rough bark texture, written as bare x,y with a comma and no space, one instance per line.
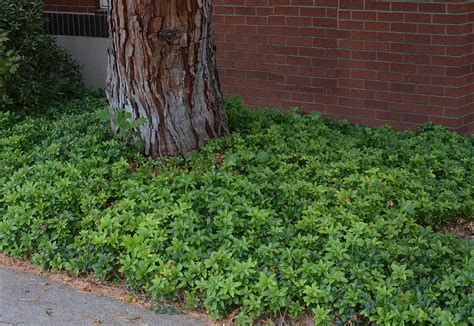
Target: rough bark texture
162,67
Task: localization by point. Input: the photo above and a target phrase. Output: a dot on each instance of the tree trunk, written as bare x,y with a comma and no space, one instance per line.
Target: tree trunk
162,67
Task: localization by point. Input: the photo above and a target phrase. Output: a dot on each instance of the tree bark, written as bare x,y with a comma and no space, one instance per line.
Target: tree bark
162,67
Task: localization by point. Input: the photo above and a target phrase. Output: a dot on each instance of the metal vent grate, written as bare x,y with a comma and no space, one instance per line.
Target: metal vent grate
77,24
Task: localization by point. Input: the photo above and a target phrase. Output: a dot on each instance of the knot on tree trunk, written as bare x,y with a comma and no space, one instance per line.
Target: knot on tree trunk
170,35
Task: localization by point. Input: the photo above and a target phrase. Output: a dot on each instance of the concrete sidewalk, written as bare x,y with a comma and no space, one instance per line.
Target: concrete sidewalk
27,299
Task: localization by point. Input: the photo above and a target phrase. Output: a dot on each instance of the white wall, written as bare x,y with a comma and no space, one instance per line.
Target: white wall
91,53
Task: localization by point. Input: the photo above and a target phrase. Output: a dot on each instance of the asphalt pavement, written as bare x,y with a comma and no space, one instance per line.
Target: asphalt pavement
27,299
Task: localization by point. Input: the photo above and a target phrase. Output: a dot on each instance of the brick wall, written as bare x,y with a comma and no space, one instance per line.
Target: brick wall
372,62
78,6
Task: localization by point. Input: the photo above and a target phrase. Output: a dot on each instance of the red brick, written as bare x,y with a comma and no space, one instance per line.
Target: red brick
432,7
388,115
404,6
372,5
415,118
402,106
363,74
388,96
418,18
390,16
377,26
431,29
376,85
403,27
355,112
364,15
416,98
430,90
402,87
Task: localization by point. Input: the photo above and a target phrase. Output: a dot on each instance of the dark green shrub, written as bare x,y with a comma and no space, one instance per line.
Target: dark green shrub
289,214
8,67
45,73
